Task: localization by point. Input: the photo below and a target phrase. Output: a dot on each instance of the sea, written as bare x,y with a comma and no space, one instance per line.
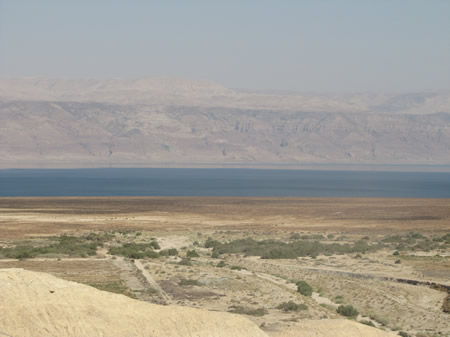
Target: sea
222,182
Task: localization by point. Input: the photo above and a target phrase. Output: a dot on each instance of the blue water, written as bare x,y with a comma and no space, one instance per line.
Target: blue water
222,182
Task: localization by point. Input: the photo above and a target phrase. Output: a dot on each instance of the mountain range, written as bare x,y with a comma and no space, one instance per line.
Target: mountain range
164,121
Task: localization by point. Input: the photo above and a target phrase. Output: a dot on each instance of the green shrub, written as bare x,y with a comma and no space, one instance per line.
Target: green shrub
403,334
210,243
169,252
173,252
215,255
164,252
304,288
396,253
155,245
152,255
398,261
248,311
292,306
236,268
347,311
185,262
134,250
192,253
221,264
339,299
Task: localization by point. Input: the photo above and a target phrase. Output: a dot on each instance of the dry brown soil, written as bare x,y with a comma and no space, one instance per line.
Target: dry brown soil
20,217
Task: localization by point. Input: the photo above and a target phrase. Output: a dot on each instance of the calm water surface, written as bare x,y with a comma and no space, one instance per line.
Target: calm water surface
222,182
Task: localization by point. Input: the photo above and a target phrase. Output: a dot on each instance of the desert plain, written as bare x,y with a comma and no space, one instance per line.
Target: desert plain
387,258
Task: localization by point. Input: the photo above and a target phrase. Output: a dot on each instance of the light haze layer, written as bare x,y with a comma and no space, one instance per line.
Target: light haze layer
350,45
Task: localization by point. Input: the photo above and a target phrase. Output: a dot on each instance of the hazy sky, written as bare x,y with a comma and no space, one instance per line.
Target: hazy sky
360,45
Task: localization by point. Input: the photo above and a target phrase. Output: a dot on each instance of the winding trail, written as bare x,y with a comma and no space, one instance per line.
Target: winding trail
151,281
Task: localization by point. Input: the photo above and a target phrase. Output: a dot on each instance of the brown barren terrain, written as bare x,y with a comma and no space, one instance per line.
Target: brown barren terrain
24,217
399,283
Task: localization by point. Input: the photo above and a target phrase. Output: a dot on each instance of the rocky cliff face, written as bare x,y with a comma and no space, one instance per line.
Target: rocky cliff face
151,121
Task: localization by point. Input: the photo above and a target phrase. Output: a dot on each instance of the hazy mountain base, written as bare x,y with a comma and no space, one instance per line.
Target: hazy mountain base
144,122
34,134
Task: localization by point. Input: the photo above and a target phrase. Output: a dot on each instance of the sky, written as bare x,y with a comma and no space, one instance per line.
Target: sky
313,46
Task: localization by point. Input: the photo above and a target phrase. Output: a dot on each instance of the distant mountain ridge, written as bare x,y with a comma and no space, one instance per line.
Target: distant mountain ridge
82,122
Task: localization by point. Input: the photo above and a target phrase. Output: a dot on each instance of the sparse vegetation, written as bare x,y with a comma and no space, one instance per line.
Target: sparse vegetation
367,322
81,246
113,287
276,249
134,250
187,282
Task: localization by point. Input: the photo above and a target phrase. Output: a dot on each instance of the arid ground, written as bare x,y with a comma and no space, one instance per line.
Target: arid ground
387,258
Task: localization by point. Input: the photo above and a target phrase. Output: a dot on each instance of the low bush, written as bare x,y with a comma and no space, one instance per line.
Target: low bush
304,288
248,311
215,255
210,243
185,262
155,245
221,264
134,251
292,306
339,299
192,253
347,311
169,252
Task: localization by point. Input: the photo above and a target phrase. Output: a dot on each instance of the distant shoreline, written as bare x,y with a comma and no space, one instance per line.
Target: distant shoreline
259,166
